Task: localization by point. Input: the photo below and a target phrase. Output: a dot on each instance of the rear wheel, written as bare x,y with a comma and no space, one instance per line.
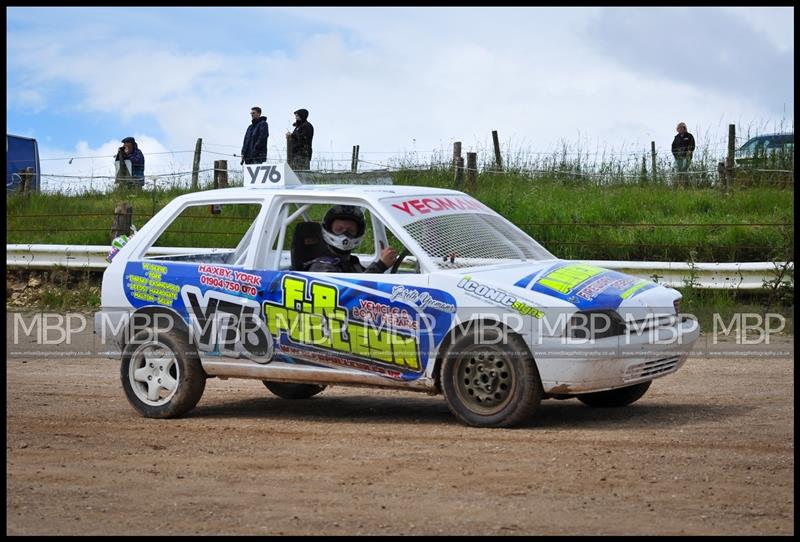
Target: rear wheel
618,397
161,374
289,390
489,379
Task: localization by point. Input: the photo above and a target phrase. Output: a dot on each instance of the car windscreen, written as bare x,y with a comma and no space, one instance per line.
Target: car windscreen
457,231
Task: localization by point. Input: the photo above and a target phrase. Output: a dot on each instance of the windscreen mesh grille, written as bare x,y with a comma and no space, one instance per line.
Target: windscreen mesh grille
468,240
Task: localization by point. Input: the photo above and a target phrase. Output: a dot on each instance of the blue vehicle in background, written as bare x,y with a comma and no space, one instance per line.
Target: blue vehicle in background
22,156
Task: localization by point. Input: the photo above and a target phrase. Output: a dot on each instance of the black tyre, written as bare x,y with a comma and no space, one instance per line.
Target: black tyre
489,379
618,397
161,374
289,390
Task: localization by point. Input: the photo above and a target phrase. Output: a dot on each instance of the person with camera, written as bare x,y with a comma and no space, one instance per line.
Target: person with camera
130,151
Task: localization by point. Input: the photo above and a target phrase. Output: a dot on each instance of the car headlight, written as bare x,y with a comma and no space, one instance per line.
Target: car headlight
595,324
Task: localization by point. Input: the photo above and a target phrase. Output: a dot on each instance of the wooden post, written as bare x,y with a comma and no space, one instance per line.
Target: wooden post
472,169
459,180
730,162
653,157
644,167
216,173
123,217
196,163
498,160
223,174
25,180
354,160
721,174
289,149
456,156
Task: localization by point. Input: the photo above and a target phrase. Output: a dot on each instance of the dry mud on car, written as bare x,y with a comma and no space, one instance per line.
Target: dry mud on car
473,308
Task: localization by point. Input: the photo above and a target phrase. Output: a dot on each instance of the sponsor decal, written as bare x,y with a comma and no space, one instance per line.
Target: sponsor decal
421,299
588,286
311,315
231,280
227,324
382,314
150,287
501,297
327,359
565,279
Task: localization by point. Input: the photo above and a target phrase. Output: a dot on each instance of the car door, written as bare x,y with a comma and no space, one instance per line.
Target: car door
382,323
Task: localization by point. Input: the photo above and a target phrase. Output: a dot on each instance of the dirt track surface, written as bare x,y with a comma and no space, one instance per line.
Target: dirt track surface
708,450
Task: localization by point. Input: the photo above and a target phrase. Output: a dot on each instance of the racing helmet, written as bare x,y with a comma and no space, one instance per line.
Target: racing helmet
344,242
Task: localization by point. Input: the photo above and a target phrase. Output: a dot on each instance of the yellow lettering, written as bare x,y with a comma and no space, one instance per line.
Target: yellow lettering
380,346
405,351
359,343
293,292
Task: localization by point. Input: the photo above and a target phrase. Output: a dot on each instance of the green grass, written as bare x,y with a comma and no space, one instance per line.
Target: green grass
578,220
574,219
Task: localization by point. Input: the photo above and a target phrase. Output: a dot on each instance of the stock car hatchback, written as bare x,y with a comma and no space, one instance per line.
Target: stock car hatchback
473,308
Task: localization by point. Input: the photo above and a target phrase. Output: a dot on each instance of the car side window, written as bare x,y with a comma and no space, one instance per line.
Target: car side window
219,233
296,238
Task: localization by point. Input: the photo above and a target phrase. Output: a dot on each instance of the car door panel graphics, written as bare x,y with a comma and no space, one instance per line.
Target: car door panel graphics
299,318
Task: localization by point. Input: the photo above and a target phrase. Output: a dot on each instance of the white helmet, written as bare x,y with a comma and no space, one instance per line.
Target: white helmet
344,242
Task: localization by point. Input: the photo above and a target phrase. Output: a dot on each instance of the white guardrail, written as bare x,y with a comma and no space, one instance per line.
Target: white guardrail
745,276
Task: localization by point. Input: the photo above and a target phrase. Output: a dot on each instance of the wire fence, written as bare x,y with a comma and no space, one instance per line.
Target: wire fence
174,168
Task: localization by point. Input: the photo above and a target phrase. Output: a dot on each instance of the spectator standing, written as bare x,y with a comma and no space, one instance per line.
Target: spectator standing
254,147
300,141
130,151
682,148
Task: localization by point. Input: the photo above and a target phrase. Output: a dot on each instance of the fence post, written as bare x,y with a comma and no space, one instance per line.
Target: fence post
459,180
653,158
721,174
25,180
354,160
123,218
457,155
216,173
644,167
196,163
472,169
729,161
289,149
498,160
223,174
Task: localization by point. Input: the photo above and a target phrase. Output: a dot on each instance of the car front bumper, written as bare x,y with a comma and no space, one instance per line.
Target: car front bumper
570,366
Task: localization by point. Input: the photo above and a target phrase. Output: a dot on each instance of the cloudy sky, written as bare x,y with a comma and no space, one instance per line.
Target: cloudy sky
396,81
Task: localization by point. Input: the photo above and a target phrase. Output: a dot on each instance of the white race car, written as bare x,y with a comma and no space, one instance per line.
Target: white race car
473,308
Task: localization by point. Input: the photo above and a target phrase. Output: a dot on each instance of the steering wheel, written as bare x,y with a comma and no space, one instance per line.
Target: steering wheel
399,260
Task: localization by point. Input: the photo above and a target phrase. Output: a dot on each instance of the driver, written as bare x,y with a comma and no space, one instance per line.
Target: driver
343,230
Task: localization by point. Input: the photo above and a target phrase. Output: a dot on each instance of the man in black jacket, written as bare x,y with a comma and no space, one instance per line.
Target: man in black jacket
254,148
300,141
682,148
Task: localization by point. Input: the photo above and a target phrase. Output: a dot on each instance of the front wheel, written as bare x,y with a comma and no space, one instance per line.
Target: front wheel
161,374
489,379
618,397
288,390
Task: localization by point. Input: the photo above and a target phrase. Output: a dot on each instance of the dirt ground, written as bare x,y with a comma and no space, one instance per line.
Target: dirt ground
708,450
